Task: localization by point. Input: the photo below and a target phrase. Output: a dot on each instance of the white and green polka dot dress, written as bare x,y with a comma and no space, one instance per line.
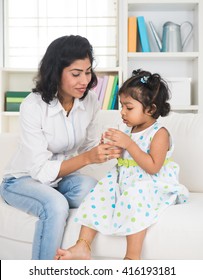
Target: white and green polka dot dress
132,201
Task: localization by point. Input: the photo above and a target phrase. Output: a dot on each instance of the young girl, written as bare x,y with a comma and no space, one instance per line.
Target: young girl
144,182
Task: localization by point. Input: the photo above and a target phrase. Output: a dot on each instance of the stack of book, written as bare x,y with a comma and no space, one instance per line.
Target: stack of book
13,99
137,33
107,92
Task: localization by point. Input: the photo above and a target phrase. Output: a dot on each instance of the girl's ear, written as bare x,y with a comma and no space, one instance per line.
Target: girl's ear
151,110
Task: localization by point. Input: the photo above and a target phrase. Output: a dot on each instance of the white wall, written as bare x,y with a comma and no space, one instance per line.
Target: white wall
1,33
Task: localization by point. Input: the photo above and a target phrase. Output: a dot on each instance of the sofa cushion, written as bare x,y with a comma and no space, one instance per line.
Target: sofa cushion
187,132
178,222
8,144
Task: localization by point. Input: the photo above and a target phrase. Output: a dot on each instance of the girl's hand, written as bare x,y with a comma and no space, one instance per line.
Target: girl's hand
118,138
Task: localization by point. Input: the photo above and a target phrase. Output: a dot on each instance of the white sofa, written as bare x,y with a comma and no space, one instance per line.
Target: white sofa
178,234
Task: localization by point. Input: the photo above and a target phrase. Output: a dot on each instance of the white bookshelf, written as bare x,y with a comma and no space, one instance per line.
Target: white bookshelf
188,63
22,80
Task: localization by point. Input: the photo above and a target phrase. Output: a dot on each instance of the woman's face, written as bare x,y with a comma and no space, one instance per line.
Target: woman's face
75,79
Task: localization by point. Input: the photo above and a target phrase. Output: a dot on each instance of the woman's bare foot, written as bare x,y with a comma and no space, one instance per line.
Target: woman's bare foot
80,251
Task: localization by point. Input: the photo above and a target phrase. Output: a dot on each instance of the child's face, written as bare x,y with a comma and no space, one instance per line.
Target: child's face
133,113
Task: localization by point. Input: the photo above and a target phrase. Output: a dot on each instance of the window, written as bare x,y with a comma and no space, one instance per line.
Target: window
30,25
1,33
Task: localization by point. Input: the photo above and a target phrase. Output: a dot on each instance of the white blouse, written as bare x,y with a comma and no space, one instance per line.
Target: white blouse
48,136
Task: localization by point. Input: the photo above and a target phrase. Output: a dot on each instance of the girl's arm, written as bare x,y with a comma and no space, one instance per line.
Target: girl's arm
150,162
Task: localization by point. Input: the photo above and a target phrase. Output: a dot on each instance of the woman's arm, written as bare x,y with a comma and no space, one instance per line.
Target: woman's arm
97,154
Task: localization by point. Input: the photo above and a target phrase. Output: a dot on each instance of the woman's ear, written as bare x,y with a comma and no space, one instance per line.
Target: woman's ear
151,110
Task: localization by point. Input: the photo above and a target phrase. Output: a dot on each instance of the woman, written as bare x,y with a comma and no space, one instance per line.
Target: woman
58,137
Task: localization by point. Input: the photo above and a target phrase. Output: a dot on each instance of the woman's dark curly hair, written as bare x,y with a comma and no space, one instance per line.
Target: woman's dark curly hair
61,53
150,90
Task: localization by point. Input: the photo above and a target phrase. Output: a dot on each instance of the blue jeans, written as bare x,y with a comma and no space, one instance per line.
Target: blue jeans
50,205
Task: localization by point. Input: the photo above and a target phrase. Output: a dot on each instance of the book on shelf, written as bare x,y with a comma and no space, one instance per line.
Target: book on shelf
108,92
113,92
13,99
98,87
143,35
103,89
115,99
132,34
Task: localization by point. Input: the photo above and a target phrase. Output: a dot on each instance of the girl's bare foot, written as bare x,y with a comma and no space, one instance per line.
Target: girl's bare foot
132,258
126,258
80,251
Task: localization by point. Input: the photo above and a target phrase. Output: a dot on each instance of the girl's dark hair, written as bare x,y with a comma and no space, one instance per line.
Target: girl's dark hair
150,90
61,53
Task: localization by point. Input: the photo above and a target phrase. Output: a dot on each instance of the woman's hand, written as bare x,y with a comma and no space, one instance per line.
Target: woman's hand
98,154
118,138
103,152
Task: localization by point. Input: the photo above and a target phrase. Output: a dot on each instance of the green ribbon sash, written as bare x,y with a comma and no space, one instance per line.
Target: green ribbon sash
130,162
